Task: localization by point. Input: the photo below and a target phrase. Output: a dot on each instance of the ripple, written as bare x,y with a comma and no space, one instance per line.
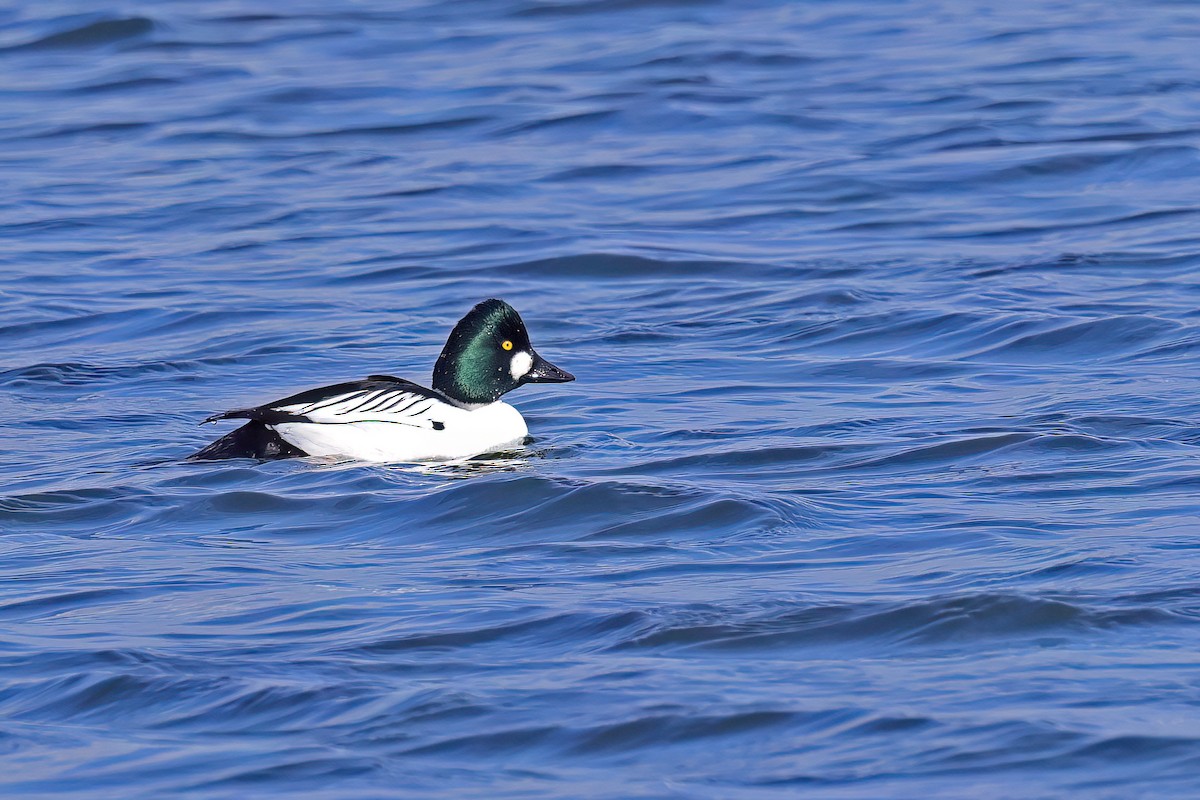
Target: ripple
942,621
1078,340
616,267
93,34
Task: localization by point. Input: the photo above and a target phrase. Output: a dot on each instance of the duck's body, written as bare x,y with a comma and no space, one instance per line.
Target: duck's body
386,419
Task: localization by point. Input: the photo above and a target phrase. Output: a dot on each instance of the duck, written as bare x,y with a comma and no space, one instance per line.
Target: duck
385,419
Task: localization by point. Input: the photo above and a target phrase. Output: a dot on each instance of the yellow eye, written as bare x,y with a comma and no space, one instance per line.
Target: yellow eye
507,345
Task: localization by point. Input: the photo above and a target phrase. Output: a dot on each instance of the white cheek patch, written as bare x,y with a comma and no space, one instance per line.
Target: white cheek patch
521,363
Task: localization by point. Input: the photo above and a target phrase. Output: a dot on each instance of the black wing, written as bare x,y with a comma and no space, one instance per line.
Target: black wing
379,398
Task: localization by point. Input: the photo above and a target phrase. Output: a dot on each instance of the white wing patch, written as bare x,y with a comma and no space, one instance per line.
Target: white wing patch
370,405
521,363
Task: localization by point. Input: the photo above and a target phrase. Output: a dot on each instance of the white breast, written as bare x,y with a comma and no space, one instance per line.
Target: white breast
464,433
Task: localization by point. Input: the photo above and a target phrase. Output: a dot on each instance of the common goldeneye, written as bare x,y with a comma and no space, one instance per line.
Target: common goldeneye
390,419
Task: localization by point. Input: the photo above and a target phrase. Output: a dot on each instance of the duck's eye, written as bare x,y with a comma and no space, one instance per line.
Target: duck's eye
507,345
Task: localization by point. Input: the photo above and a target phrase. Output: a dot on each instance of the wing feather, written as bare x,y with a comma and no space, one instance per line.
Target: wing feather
378,399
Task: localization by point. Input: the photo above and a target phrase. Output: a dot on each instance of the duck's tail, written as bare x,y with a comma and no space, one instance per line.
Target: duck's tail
252,440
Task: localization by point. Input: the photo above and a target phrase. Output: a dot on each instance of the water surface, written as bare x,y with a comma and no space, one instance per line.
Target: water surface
879,478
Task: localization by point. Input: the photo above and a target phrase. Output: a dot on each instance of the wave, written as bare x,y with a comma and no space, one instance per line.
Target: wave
97,33
948,621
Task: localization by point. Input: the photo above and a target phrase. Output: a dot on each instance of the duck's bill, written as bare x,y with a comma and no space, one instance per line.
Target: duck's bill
543,371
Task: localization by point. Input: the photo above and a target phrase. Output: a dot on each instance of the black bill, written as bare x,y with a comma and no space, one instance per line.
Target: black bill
543,371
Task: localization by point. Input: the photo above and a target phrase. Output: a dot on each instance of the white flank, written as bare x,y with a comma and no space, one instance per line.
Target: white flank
411,438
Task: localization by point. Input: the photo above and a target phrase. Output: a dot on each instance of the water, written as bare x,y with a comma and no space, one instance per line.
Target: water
879,478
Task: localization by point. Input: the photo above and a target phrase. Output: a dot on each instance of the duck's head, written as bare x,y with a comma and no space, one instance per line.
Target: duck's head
488,353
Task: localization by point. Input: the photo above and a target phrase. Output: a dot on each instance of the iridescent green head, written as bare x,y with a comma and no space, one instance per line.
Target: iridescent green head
488,353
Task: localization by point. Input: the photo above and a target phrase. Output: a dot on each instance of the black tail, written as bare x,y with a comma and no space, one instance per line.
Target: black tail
252,440
241,413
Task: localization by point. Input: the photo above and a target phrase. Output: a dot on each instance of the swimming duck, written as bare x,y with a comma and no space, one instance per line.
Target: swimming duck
388,419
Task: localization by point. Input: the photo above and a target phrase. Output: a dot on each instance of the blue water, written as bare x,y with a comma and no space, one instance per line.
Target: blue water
880,477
